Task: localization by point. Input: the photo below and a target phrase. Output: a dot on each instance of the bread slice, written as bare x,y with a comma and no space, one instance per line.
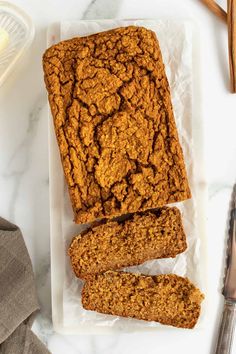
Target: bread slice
113,245
168,299
114,123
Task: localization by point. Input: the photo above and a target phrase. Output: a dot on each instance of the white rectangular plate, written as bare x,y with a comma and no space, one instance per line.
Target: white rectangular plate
180,54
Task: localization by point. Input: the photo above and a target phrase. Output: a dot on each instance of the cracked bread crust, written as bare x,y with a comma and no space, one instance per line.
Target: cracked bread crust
114,123
168,299
114,245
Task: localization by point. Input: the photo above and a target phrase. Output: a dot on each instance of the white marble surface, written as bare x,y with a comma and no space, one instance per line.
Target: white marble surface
24,164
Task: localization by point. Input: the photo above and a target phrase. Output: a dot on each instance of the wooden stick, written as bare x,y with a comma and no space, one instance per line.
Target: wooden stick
231,10
216,9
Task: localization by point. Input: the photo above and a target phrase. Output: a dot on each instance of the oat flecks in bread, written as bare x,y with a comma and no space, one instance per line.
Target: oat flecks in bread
113,118
168,299
114,245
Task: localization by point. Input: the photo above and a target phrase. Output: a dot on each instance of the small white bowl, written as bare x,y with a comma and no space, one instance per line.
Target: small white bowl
21,31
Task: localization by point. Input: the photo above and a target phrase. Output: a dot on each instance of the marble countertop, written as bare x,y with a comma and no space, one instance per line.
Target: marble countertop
24,185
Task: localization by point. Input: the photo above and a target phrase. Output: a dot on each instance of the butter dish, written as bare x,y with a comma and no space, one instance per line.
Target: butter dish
16,35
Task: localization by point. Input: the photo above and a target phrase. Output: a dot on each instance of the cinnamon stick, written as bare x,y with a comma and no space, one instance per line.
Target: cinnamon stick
231,10
216,9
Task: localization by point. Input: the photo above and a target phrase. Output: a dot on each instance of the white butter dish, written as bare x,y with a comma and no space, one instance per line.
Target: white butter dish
20,31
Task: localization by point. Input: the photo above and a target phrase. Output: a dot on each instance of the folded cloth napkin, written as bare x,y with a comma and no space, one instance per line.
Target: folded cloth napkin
18,299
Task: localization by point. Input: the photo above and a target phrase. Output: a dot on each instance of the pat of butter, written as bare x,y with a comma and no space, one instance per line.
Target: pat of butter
4,39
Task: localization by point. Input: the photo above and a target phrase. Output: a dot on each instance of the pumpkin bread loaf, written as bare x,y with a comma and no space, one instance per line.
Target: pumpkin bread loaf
114,123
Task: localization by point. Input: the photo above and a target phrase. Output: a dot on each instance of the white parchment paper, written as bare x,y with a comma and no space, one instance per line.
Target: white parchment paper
176,39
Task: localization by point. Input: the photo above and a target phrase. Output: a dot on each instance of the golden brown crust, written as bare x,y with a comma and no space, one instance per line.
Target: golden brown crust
114,245
114,123
168,299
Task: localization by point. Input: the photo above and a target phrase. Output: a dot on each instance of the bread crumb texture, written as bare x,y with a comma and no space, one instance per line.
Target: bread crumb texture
114,123
141,237
168,299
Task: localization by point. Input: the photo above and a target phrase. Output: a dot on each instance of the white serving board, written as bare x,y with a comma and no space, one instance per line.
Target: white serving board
181,56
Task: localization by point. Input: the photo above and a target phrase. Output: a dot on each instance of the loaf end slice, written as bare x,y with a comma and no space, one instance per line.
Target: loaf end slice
168,299
141,237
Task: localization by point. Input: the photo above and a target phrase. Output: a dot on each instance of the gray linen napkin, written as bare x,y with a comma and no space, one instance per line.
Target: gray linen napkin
18,299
